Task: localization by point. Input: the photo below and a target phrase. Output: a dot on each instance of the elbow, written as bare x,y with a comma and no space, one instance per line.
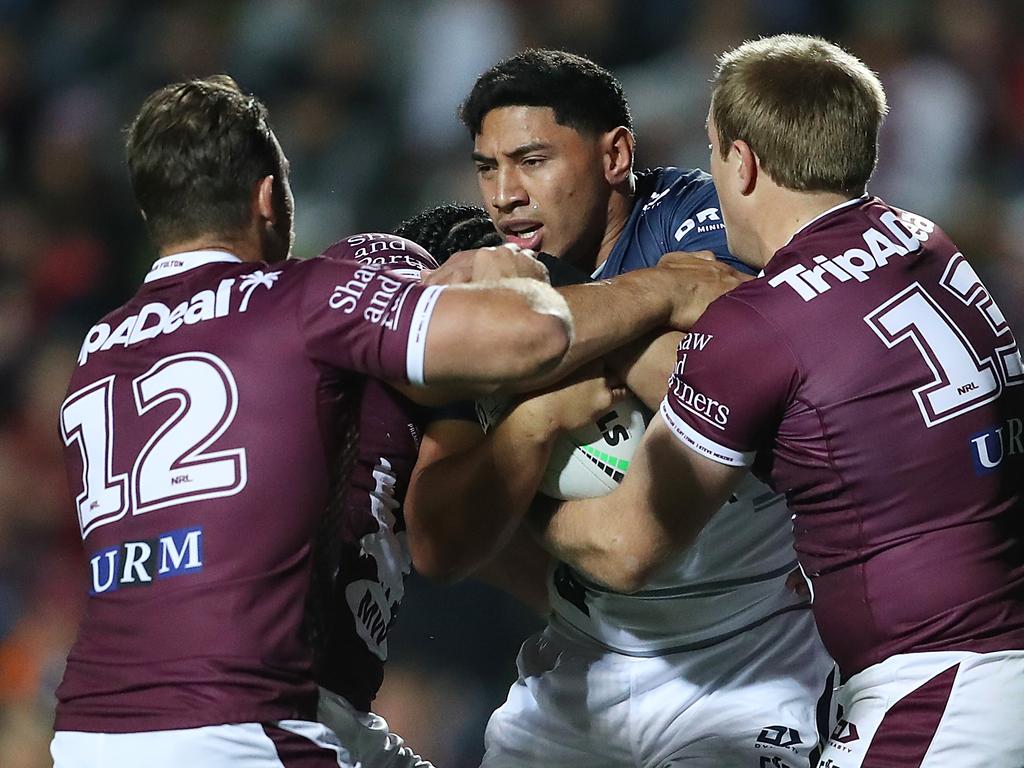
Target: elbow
539,343
627,572
628,578
436,562
435,569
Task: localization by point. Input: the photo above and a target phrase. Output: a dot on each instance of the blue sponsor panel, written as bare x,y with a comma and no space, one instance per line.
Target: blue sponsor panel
990,447
140,563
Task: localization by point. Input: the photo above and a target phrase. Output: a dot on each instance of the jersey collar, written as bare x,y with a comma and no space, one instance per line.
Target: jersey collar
176,263
822,215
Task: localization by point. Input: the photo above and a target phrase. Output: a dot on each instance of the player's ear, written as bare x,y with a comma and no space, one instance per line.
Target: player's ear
617,149
747,166
265,199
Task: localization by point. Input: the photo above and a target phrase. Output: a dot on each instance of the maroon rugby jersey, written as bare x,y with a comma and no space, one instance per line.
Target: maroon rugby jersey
200,426
362,554
869,375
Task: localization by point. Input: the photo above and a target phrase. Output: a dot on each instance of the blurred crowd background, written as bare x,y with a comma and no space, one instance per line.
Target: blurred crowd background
363,95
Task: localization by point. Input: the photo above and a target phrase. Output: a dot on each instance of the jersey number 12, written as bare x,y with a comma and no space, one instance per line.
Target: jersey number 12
173,466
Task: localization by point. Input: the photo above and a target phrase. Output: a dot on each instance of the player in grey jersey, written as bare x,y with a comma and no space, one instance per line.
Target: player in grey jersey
616,679
868,373
200,425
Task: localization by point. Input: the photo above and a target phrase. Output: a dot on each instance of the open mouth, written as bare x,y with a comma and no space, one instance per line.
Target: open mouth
525,234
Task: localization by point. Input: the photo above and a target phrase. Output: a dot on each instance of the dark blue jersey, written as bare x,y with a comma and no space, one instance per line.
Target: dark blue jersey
675,210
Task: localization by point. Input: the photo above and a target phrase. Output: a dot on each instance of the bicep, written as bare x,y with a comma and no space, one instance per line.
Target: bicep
646,366
447,437
483,339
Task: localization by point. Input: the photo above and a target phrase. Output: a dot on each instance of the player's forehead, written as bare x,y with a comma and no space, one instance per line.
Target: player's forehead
505,130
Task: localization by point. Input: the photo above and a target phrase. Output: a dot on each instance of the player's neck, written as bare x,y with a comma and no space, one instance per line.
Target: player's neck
786,213
620,206
243,247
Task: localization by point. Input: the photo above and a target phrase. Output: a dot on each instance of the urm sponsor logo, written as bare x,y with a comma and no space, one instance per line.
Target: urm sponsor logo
990,447
140,563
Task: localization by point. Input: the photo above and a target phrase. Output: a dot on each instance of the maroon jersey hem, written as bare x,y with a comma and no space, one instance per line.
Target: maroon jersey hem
173,722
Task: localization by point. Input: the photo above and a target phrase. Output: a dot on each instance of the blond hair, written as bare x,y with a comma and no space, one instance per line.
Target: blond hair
809,110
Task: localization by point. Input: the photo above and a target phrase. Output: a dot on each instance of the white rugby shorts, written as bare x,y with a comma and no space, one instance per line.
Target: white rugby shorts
284,744
762,698
952,709
366,736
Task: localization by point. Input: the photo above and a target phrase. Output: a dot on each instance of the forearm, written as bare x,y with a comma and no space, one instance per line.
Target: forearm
607,315
646,364
464,507
589,536
521,570
666,497
486,336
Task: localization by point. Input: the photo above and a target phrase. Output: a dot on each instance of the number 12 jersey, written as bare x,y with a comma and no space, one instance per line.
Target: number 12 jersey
200,430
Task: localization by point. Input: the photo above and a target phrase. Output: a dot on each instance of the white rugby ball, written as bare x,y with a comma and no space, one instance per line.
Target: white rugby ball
591,461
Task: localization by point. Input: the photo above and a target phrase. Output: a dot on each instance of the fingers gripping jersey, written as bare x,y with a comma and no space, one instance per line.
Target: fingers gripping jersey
881,391
200,427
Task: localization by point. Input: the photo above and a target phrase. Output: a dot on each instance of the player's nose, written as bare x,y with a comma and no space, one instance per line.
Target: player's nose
509,192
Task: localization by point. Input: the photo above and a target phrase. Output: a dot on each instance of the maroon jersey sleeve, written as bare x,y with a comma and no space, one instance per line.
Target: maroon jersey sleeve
364,309
734,375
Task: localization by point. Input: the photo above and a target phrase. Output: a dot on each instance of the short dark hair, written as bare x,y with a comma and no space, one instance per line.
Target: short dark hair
450,228
195,151
583,95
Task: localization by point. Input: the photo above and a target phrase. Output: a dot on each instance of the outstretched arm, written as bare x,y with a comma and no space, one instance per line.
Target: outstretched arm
611,313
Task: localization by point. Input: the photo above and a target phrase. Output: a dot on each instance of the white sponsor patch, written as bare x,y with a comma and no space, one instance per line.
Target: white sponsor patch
707,220
855,264
156,319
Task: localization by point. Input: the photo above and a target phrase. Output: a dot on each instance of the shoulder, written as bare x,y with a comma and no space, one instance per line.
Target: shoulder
741,307
383,251
748,316
668,187
363,257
